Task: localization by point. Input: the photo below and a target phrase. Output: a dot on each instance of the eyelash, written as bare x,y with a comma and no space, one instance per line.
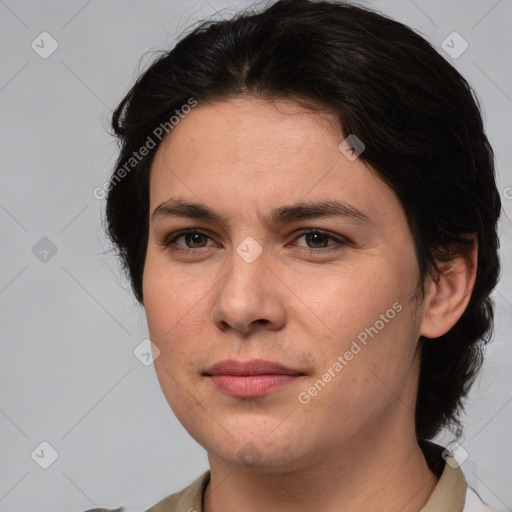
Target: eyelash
339,241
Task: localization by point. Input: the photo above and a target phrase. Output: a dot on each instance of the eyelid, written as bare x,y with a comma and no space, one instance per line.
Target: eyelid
339,240
168,240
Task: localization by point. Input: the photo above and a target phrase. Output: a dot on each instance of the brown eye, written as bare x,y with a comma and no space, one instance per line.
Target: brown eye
191,239
194,240
316,239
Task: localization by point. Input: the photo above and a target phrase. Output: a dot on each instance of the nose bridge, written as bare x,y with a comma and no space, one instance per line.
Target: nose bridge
247,294
246,275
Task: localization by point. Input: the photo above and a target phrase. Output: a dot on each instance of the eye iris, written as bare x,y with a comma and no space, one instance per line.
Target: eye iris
318,237
194,238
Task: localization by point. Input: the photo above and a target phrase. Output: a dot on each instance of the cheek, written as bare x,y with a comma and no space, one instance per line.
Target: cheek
373,365
371,323
177,311
343,301
172,298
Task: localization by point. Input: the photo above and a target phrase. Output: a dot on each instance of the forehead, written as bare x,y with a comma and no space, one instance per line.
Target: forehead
247,152
252,129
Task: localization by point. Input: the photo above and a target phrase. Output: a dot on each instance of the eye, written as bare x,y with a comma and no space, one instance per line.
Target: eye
317,240
193,240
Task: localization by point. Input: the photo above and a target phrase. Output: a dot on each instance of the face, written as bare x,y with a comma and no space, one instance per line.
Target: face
283,304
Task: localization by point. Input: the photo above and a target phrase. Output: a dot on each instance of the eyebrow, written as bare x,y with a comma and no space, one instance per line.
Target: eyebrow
278,216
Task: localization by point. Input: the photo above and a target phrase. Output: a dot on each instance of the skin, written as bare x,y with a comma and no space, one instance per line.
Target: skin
352,447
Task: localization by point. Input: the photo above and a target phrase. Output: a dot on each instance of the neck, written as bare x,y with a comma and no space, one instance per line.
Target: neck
367,474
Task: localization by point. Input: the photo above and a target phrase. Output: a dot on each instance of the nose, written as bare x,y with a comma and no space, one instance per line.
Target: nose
249,297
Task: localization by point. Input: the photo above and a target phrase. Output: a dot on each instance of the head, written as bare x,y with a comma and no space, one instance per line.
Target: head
369,277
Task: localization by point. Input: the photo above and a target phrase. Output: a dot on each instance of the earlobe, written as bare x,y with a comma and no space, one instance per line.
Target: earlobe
448,293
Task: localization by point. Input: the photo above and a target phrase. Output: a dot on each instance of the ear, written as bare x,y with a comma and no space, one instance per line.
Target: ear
448,293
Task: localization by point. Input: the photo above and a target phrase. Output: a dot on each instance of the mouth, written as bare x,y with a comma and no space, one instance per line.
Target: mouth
251,378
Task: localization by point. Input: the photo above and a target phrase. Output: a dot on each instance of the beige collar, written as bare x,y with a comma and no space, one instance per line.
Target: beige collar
449,494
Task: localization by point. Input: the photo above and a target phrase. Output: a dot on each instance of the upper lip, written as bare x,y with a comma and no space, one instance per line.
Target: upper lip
252,367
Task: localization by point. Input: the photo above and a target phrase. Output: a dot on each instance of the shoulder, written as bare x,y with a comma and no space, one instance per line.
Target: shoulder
188,499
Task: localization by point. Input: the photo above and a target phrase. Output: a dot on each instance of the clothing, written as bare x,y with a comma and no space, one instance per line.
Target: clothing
451,493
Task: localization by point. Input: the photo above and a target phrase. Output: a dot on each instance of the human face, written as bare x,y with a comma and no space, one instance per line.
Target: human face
305,301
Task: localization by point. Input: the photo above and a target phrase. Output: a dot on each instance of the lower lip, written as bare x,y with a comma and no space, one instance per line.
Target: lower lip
251,385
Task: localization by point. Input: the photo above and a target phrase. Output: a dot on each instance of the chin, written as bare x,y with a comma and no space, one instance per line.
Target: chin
259,453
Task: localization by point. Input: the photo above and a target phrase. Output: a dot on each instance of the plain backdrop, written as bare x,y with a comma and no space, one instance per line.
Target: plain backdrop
69,324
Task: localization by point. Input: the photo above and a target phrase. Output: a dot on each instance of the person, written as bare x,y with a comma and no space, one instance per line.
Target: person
305,204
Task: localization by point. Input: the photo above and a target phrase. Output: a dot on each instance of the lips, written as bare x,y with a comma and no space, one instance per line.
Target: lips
251,378
254,367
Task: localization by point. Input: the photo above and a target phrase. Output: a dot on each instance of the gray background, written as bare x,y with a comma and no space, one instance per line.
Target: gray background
69,323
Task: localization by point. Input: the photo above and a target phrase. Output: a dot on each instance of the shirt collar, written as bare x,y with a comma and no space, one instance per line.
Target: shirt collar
448,496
